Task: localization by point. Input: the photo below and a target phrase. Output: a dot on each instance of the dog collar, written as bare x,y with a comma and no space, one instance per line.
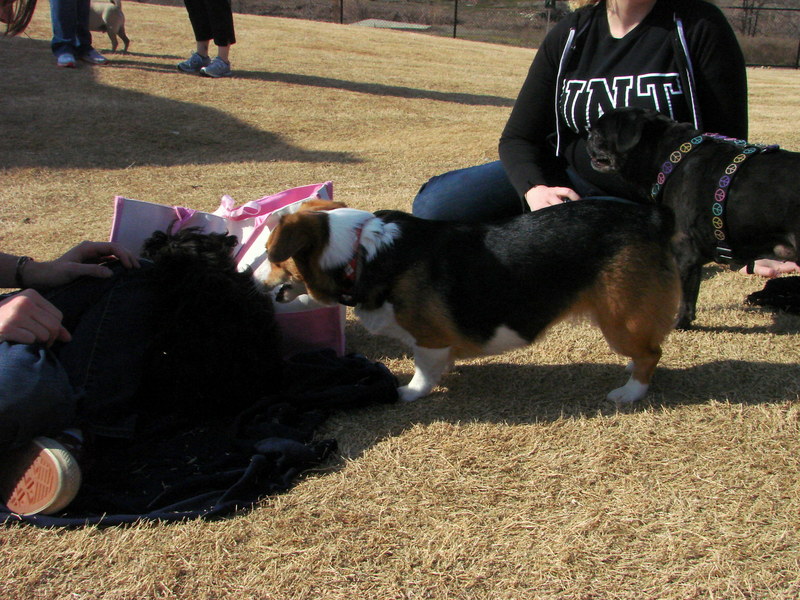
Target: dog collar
723,252
668,166
352,270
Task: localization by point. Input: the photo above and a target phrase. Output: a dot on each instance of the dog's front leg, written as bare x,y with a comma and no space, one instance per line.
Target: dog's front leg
429,366
690,267
691,276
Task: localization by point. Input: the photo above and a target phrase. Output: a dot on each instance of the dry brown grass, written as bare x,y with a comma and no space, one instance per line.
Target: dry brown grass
515,480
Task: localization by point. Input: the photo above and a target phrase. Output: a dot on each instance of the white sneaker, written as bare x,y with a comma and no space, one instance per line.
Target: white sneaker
217,68
66,59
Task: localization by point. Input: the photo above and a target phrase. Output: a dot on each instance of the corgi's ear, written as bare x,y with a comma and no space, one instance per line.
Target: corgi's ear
319,204
294,234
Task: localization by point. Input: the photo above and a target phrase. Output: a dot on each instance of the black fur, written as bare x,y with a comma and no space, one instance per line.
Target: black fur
763,206
217,345
531,267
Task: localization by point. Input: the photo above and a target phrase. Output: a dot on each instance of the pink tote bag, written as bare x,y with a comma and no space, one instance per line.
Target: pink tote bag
304,324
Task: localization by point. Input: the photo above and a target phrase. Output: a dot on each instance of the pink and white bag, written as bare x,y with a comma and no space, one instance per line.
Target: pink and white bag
305,324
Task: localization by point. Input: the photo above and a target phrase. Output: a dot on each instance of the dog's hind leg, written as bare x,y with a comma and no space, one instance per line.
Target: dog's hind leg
642,368
638,336
429,366
126,42
635,324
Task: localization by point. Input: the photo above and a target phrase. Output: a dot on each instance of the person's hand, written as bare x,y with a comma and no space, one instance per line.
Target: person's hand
772,268
27,318
541,196
82,260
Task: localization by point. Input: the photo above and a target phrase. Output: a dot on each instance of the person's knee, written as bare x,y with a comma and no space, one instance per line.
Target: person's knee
36,397
427,204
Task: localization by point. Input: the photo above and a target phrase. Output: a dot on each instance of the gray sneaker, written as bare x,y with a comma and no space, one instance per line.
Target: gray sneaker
217,68
194,63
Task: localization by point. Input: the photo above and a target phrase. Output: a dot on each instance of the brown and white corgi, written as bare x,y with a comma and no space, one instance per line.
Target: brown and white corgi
453,290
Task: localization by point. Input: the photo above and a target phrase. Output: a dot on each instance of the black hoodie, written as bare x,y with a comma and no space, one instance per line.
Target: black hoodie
682,60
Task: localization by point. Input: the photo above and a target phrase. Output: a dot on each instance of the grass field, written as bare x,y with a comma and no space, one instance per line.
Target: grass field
515,479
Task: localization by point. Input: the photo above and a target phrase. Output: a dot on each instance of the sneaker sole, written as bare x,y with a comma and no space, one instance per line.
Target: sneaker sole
204,74
46,480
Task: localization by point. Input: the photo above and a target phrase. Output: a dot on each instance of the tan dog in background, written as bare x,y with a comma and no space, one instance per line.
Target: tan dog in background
107,16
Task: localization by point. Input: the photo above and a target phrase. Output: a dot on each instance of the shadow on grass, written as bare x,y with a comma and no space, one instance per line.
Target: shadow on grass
529,394
64,118
377,89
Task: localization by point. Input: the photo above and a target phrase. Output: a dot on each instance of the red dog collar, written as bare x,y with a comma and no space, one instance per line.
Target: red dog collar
351,270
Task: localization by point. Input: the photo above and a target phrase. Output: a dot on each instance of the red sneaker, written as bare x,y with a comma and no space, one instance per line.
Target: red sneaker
43,477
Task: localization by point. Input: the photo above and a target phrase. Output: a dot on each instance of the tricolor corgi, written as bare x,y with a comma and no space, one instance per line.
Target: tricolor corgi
283,277
452,290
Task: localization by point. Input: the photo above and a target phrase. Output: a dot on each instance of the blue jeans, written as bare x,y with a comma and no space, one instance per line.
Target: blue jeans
89,382
71,33
482,193
474,194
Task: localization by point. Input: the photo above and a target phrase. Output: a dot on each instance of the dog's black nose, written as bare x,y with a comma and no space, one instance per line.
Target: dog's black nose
283,292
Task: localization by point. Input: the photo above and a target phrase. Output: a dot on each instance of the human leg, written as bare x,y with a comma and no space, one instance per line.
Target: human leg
220,15
480,193
200,21
64,18
89,381
36,397
202,29
82,34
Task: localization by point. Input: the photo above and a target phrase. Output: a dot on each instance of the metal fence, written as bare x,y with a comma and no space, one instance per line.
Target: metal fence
769,35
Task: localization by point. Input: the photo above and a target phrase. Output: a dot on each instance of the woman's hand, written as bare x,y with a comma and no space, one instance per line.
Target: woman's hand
82,260
541,196
28,318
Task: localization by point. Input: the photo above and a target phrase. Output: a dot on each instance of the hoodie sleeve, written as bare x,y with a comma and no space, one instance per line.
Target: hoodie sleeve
719,70
524,147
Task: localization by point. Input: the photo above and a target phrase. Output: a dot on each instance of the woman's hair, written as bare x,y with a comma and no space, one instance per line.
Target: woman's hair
16,18
576,4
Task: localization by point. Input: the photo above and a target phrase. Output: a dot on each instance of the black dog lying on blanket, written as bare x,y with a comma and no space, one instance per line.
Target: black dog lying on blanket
216,332
733,201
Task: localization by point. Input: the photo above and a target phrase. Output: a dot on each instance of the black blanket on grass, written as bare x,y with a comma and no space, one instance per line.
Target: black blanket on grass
184,471
782,293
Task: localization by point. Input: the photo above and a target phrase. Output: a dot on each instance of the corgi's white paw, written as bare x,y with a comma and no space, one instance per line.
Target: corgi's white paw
409,394
628,393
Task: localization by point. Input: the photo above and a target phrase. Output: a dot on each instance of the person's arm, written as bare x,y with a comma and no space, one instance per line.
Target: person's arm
82,260
8,269
719,71
524,148
27,317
